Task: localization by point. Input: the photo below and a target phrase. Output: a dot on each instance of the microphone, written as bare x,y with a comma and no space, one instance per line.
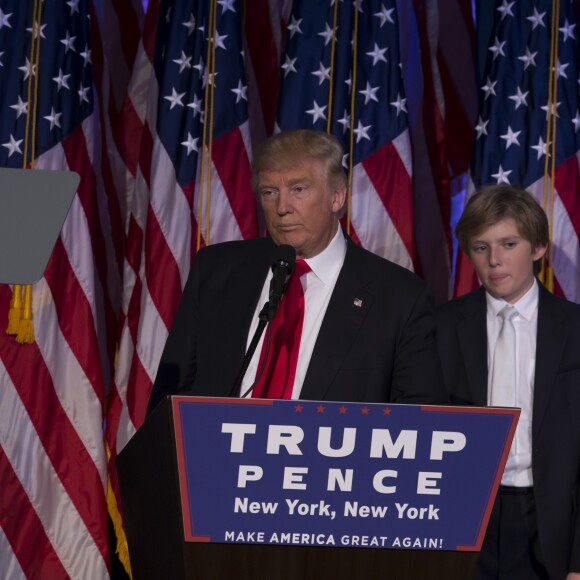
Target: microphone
283,259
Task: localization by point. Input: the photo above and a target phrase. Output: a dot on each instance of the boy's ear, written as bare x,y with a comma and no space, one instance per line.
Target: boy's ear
539,252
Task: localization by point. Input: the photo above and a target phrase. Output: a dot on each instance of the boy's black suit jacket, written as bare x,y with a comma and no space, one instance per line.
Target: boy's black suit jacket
462,346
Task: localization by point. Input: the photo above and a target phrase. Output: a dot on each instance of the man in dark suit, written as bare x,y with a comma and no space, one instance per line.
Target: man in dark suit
368,324
534,529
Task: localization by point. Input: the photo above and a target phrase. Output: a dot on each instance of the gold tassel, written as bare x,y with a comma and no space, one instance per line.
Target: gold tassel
549,278
122,545
26,327
15,311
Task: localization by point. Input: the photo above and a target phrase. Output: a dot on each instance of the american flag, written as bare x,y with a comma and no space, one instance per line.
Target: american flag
342,74
519,109
192,183
437,46
56,96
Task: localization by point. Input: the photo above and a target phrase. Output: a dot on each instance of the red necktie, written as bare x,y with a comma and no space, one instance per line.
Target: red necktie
278,377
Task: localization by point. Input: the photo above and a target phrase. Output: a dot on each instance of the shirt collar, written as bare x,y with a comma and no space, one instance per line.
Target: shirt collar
327,264
525,306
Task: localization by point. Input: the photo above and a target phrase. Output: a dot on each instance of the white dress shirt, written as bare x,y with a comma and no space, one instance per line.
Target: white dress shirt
318,285
518,469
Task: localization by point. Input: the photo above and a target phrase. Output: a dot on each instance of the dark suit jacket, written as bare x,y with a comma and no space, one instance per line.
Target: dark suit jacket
380,351
462,345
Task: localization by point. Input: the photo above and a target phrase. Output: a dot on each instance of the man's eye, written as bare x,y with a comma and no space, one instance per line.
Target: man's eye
478,249
510,245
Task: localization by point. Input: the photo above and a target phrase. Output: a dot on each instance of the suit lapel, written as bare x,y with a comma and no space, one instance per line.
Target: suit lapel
347,309
247,280
472,336
550,341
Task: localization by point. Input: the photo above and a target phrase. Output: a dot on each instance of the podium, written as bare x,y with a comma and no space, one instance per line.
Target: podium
152,492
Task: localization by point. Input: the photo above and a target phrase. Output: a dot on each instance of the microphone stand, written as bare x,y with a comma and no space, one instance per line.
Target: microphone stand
265,316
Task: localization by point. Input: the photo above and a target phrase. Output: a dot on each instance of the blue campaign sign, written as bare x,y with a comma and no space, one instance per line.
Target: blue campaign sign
339,474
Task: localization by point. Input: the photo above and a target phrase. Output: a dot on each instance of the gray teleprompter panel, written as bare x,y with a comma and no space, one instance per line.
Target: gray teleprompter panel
33,206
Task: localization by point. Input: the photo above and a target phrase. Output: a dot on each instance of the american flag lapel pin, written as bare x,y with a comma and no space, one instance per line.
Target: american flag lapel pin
357,302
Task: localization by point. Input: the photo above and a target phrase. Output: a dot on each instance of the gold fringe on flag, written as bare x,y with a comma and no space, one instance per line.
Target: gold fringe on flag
113,509
207,135
26,328
547,273
352,101
20,313
15,311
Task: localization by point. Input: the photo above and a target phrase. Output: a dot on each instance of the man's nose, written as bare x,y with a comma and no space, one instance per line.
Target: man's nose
284,202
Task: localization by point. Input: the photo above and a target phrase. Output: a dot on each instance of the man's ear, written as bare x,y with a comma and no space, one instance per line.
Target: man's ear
338,199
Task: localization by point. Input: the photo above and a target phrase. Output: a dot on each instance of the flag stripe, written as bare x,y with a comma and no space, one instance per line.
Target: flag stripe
74,499
161,271
231,160
392,182
264,57
77,157
23,532
108,188
368,217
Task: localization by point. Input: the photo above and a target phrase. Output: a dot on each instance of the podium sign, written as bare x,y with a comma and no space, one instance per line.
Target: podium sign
339,474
